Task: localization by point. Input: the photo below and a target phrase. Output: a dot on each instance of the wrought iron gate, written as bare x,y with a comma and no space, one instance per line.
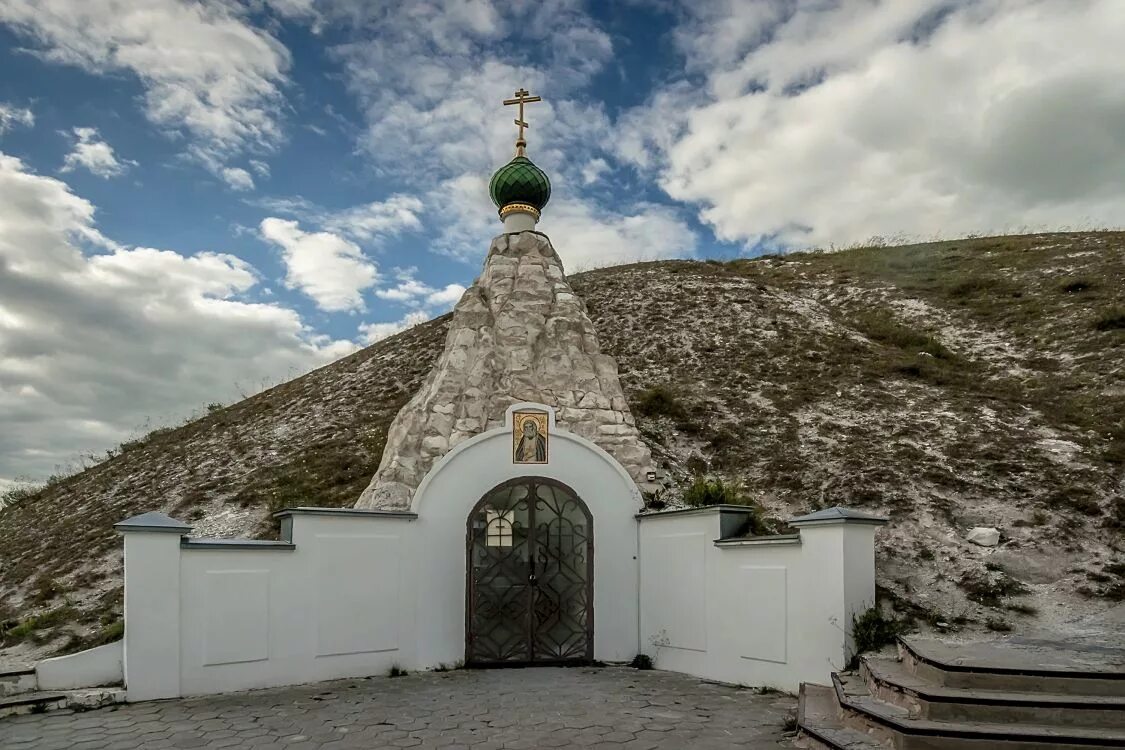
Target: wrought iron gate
530,575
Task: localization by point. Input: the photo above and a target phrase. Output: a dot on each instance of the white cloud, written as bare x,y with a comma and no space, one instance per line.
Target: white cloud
92,153
373,332
408,290
11,115
431,77
367,222
95,345
330,269
593,170
237,178
445,297
835,122
431,81
380,218
206,71
587,235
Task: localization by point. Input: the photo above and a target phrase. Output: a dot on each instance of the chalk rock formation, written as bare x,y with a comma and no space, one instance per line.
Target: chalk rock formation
519,333
984,536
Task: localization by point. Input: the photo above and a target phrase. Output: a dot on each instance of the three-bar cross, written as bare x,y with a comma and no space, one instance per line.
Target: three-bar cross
521,99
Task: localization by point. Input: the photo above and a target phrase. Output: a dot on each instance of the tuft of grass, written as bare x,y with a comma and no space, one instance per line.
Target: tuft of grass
706,491
661,400
1020,608
45,589
979,286
872,630
113,631
397,671
990,590
1115,568
641,661
883,328
16,495
1112,319
1076,285
29,627
1116,519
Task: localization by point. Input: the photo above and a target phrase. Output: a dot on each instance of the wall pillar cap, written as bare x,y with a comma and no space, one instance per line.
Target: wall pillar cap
153,521
836,515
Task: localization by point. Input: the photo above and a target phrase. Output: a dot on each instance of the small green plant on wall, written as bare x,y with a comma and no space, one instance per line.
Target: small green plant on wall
712,491
872,630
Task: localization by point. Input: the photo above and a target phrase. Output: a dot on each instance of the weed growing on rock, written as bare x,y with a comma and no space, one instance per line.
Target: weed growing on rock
990,590
1074,286
1111,320
872,630
660,400
712,491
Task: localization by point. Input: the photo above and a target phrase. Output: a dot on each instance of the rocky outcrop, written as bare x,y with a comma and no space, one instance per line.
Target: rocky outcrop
519,333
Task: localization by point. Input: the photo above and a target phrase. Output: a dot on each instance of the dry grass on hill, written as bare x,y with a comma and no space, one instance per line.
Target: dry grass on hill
948,385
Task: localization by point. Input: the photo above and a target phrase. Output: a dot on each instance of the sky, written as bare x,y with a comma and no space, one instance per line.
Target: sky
203,198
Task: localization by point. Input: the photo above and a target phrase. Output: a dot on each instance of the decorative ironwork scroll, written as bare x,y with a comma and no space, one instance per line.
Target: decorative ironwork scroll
530,575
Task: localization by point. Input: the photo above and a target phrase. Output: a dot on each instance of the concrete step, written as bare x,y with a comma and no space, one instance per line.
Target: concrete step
894,724
1018,665
820,726
17,681
76,700
889,680
31,703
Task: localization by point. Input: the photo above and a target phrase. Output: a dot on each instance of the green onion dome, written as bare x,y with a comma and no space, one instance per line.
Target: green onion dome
520,182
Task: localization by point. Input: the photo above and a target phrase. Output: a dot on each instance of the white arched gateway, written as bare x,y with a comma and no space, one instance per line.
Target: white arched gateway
522,559
521,545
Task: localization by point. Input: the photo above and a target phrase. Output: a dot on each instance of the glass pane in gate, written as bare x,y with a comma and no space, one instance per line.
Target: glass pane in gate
499,586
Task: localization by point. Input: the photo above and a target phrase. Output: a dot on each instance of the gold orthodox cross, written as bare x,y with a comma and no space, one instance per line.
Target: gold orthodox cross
521,99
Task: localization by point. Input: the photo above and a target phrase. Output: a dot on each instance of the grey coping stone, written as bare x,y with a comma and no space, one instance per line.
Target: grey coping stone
359,512
153,521
838,514
704,510
258,544
748,541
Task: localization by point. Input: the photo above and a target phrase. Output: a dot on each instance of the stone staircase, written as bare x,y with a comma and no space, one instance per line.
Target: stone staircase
1032,695
20,694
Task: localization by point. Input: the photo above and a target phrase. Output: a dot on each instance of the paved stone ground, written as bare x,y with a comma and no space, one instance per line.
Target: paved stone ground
483,710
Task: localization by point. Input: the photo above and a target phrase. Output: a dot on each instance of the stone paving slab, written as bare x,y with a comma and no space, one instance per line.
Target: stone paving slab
616,708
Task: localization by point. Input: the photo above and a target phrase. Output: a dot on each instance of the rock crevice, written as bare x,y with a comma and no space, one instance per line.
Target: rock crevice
519,333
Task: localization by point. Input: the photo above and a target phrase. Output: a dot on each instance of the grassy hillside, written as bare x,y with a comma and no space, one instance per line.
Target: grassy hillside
948,385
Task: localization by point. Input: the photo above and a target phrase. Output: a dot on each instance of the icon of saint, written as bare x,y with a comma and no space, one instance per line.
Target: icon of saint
532,445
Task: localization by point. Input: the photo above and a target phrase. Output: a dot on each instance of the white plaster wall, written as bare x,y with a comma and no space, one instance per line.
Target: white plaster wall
764,614
859,573
93,667
152,615
336,606
458,482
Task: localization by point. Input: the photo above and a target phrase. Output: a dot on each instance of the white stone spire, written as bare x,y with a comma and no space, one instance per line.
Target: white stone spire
519,334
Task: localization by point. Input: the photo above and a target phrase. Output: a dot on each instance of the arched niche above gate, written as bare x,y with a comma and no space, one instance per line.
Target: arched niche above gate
530,442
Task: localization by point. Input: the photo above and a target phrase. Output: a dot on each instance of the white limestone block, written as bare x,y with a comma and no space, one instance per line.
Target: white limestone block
985,536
